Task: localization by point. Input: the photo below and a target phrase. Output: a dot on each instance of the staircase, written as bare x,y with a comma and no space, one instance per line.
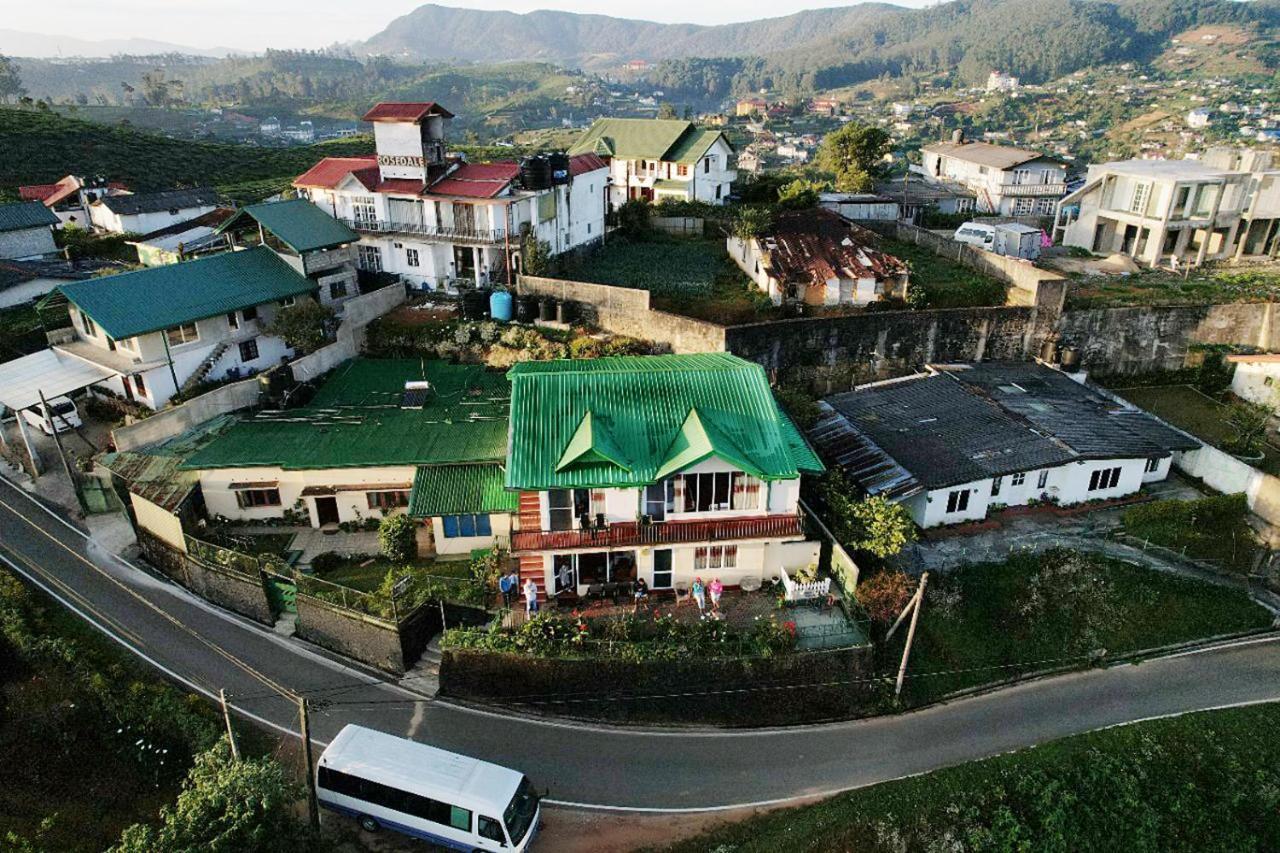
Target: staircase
424,677
205,366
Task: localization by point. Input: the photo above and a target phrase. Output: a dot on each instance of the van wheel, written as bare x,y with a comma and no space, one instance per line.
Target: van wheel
368,824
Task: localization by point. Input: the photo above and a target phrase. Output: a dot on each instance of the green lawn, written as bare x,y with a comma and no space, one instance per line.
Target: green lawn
367,575
946,283
1189,409
1161,287
1204,782
1215,529
987,622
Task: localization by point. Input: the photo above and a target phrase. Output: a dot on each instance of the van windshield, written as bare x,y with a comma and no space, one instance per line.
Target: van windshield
63,408
519,813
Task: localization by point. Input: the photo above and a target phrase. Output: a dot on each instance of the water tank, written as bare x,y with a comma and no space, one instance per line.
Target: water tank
1070,358
500,306
548,308
526,308
1049,352
565,312
475,304
535,173
559,163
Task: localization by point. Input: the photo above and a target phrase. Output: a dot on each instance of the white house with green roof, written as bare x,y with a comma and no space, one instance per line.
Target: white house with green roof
665,468
159,329
381,437
658,159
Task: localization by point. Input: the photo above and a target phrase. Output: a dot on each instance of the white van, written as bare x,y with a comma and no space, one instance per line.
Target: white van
976,234
448,799
61,416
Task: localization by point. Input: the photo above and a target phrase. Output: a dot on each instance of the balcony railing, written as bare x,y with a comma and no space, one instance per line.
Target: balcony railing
630,533
431,232
1014,190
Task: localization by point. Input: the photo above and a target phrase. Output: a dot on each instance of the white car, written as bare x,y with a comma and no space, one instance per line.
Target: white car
976,234
61,416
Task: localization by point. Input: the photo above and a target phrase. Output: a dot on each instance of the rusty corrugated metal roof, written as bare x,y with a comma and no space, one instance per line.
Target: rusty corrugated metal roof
816,245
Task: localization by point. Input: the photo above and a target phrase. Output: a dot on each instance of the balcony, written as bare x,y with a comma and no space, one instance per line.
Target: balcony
436,233
631,533
1033,190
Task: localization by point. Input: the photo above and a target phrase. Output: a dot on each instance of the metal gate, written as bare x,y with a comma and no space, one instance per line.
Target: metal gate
282,593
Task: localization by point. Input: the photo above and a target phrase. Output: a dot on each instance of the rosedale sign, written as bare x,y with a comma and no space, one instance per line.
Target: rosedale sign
400,160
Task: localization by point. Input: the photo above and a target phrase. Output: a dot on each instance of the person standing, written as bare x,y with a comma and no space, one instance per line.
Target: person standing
509,584
700,596
640,593
716,589
530,597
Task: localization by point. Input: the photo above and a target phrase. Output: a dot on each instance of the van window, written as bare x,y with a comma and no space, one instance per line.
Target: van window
520,811
491,829
393,798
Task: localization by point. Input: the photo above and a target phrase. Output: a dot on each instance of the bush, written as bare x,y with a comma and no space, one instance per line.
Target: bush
873,525
397,537
303,325
884,594
633,218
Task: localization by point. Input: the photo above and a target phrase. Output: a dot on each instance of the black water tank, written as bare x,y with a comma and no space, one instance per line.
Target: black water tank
559,163
548,308
526,309
535,173
475,304
1070,357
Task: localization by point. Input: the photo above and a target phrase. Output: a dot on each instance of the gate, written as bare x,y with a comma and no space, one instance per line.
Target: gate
282,593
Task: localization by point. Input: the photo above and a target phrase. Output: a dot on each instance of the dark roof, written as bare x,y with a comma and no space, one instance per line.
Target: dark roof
134,203
415,112
22,215
985,154
148,300
968,424
212,219
297,223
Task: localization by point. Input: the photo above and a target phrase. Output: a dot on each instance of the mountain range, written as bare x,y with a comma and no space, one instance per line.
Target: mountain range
21,43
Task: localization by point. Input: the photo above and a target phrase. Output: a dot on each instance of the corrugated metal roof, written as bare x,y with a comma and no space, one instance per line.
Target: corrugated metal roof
153,478
355,420
156,298
128,204
405,111
298,223
454,489
984,153
331,171
672,140
653,412
692,146
813,246
25,214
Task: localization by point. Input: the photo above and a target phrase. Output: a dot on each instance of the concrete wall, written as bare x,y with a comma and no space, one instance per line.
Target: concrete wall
159,522
236,591
626,311
27,243
366,638
1256,381
1229,475
356,314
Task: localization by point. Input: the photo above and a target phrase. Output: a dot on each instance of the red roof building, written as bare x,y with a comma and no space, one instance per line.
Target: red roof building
414,112
331,171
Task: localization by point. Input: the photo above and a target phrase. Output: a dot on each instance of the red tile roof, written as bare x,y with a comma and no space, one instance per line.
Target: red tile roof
477,180
415,112
37,192
331,171
399,185
50,194
583,163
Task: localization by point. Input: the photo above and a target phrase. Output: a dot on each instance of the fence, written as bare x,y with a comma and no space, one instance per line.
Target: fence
234,584
796,591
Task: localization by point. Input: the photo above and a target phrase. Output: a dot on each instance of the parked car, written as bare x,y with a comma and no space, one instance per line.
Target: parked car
61,416
976,234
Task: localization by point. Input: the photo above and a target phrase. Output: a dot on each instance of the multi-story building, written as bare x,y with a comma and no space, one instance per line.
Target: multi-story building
1176,212
664,468
1006,181
442,223
656,159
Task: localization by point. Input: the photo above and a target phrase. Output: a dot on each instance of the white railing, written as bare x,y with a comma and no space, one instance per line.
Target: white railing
804,591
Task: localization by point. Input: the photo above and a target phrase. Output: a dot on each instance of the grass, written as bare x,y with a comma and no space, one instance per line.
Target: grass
946,283
1215,529
1161,287
367,575
986,622
1201,415
1201,782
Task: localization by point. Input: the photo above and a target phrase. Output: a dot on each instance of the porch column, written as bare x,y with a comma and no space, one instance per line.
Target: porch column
477,263
1213,221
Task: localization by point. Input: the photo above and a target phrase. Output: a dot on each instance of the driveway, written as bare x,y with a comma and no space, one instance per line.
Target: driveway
590,766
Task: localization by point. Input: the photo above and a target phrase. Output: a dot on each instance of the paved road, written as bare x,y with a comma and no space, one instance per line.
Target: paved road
585,765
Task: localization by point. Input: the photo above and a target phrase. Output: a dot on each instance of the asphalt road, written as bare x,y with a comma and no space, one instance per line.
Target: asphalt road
589,766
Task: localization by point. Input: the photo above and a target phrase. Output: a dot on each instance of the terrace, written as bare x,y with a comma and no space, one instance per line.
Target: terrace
631,533
475,236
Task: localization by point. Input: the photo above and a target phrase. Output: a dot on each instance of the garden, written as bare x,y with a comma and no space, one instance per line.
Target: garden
1214,530
944,283
1204,285
1201,782
1234,426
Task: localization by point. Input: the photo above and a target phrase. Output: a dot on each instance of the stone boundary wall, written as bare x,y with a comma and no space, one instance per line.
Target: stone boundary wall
626,311
227,588
356,635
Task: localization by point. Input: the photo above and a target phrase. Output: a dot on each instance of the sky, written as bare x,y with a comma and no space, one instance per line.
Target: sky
256,24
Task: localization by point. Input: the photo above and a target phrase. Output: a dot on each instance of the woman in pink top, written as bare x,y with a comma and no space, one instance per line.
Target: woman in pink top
715,589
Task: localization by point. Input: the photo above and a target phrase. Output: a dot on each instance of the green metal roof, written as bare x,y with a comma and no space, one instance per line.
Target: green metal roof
355,420
454,489
632,420
134,303
25,214
672,140
671,184
298,224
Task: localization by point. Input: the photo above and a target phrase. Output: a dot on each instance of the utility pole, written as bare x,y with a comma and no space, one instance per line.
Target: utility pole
911,634
313,804
226,717
47,413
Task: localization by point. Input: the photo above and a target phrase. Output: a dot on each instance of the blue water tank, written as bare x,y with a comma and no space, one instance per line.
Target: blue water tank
500,306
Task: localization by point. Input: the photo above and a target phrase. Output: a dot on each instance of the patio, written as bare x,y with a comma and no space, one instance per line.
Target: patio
309,542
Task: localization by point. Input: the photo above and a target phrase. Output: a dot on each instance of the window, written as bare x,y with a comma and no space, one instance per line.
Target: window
682,171
249,350
958,501
1043,479
130,344
411,257
90,328
715,557
1104,478
288,302
706,166
1153,465
1138,204
462,526
489,828
338,288
370,258
659,499
1018,479
247,498
1045,206
138,385
715,491
562,573
184,334
567,505
1180,202
233,321
995,485
390,499
388,797
250,314
363,209
718,188
1023,206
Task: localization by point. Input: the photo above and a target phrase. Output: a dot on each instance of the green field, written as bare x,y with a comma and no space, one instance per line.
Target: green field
1201,415
988,622
1214,529
1207,782
1161,287
946,283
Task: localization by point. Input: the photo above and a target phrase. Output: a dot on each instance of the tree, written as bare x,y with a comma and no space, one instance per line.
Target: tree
853,154
536,258
246,806
667,111
633,218
751,221
799,194
10,82
875,525
398,538
303,326
1249,422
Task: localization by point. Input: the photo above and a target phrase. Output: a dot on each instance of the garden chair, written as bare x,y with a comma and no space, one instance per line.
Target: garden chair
682,593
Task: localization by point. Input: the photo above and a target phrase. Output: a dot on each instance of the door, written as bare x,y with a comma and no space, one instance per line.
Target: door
327,510
282,593
662,569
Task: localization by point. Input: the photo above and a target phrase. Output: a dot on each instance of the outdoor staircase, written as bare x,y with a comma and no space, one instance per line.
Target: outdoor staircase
424,677
205,366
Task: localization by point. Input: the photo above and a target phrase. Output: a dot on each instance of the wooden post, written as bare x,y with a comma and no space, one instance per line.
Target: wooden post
911,602
911,635
442,622
313,804
226,717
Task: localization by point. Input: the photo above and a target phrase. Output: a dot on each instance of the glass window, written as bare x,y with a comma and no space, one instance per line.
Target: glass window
233,321
1152,465
489,828
520,812
562,572
593,568
246,498
139,385
88,325
460,818
561,509
250,314
457,526
370,258
1043,479
249,350
1018,479
958,501
411,257
184,334
659,499
995,485
338,288
390,499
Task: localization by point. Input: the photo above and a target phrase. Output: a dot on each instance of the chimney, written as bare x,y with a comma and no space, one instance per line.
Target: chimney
957,136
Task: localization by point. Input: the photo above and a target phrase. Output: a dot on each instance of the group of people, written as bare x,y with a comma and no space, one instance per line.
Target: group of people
701,592
509,586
